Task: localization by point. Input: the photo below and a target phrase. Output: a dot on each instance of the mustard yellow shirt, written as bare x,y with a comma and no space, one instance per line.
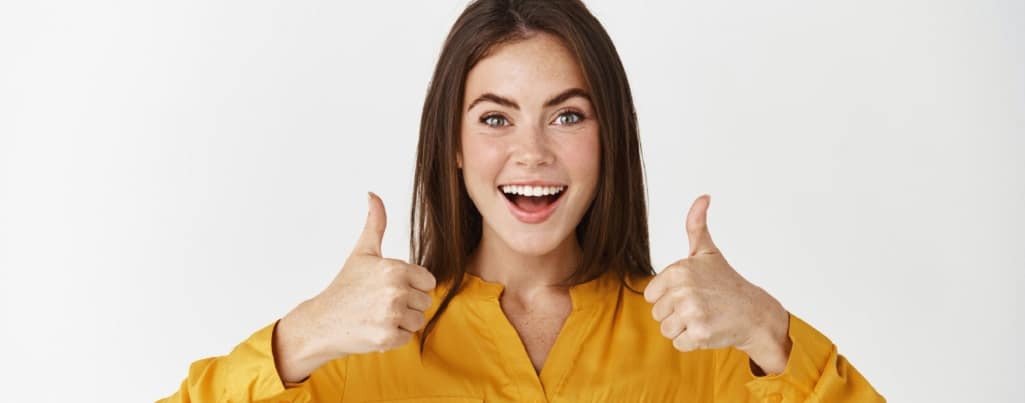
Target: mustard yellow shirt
610,349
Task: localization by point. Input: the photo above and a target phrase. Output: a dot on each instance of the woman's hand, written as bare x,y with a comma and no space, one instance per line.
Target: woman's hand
373,304
703,303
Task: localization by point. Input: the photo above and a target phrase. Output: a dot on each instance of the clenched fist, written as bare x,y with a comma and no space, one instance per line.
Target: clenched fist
373,304
703,303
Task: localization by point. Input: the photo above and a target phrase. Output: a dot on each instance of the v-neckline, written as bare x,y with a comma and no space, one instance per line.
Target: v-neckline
543,386
525,321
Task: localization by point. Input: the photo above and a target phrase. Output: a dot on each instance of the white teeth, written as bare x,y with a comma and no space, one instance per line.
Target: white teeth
532,190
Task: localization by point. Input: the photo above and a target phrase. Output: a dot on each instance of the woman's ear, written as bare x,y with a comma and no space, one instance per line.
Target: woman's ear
459,160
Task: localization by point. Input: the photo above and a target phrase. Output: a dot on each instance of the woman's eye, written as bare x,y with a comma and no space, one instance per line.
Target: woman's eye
569,118
493,120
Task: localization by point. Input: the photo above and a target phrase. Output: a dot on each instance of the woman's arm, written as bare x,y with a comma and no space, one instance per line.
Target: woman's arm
250,373
814,372
373,304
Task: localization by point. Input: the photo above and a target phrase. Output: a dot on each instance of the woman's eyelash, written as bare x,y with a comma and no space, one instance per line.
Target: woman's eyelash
484,119
579,117
494,116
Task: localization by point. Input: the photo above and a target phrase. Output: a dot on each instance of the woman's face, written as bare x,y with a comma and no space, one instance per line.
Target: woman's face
530,148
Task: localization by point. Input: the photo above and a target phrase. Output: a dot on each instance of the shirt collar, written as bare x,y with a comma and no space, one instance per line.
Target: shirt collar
585,295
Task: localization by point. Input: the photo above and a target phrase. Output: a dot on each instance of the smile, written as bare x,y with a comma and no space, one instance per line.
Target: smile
532,204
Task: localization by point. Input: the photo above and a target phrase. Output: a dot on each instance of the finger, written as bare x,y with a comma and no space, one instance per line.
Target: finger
656,287
697,227
672,326
695,337
684,342
419,301
421,278
369,241
412,320
663,282
664,307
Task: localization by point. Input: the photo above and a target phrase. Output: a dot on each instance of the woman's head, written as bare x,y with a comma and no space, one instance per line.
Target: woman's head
528,130
527,52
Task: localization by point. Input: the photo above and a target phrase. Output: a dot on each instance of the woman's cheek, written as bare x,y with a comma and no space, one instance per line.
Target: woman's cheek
584,156
482,164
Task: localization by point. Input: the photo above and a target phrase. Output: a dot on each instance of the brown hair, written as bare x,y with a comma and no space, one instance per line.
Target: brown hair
445,226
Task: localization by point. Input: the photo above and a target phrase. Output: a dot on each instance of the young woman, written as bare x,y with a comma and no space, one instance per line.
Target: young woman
531,279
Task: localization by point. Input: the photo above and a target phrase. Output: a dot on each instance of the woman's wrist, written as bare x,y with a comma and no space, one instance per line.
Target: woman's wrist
296,351
771,345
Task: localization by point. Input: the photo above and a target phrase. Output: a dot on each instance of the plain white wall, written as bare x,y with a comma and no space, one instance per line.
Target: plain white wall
176,175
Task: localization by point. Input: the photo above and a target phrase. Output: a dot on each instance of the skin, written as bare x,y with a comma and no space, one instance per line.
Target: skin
533,140
701,302
376,303
373,304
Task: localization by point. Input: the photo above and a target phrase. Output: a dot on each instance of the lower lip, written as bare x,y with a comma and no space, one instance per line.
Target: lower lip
532,217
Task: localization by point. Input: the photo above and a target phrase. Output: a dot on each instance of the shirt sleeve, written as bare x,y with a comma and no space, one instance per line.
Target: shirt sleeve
249,374
815,372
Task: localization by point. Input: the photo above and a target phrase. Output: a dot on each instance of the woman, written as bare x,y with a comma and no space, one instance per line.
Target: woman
531,278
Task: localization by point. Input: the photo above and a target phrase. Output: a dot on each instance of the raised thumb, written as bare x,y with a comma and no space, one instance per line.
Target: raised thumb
697,227
369,242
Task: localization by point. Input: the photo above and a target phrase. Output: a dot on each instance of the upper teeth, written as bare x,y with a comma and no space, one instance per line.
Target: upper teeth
532,190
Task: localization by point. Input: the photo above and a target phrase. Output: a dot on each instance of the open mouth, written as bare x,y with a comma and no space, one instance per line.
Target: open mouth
532,204
532,198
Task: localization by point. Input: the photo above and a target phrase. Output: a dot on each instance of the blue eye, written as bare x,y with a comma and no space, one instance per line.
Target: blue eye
493,120
569,118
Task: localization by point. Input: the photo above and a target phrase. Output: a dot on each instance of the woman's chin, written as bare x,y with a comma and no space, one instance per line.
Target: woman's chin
533,244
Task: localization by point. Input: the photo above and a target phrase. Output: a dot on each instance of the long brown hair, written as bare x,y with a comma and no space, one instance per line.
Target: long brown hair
445,226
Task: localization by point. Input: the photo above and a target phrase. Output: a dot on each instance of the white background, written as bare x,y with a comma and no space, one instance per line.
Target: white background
177,175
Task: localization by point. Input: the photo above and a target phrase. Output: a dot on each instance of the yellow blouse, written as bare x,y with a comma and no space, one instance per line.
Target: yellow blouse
610,349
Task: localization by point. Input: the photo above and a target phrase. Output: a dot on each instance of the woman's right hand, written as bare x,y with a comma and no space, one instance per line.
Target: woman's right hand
373,304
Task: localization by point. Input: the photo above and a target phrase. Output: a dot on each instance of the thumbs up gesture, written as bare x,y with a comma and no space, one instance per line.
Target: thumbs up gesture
373,304
703,303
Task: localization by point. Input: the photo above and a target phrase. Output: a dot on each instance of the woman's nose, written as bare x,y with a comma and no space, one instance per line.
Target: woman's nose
532,148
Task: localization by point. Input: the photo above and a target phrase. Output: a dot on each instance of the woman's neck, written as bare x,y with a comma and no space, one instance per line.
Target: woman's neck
520,274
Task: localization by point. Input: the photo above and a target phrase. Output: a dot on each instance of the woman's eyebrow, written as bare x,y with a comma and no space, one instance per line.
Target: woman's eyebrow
570,93
558,99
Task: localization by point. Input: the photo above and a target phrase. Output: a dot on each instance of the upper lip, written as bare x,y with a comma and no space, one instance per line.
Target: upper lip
533,183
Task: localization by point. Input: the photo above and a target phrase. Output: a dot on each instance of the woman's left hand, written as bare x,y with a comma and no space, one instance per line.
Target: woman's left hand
703,303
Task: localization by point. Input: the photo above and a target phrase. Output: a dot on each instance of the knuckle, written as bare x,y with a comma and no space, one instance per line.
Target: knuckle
393,293
692,310
700,334
697,313
418,322
667,328
658,312
426,302
392,319
421,273
683,291
684,308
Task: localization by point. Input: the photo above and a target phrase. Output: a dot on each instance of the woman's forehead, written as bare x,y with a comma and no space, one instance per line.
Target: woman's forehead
529,71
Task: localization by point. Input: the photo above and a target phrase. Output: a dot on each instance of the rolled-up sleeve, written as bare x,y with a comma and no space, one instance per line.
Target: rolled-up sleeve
249,374
815,372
